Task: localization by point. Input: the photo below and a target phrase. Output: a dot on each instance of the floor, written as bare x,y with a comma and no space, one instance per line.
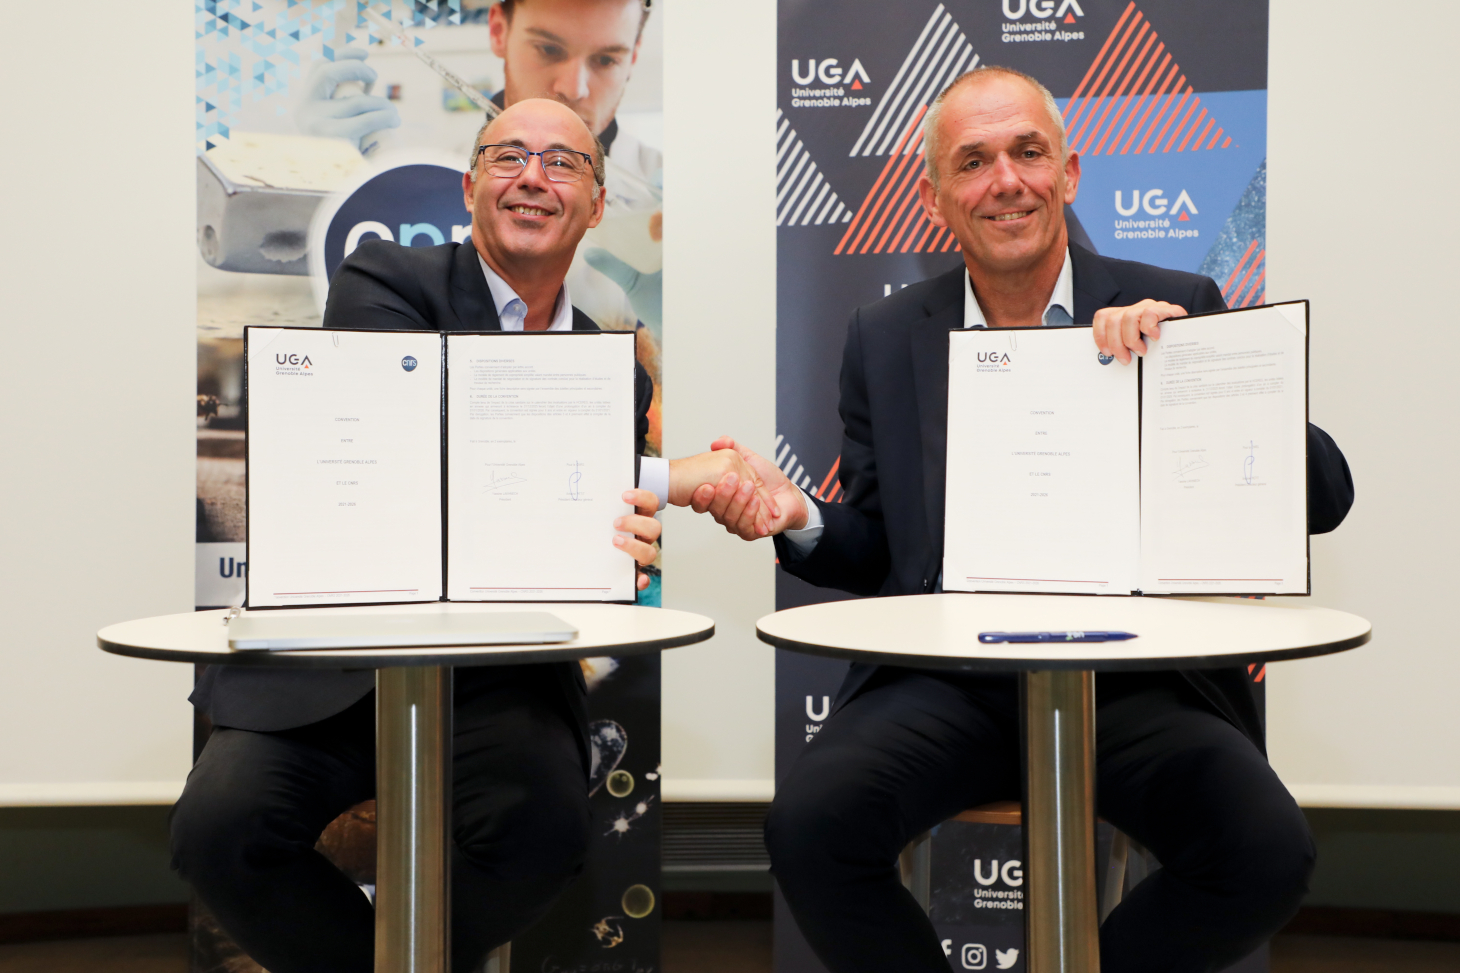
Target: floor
729,947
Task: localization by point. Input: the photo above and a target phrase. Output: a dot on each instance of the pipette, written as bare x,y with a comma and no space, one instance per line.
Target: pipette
471,93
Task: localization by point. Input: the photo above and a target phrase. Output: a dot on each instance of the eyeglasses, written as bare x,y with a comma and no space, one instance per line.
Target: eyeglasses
560,165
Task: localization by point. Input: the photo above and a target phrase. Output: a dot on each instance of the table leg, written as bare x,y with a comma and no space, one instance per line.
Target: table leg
413,800
1062,925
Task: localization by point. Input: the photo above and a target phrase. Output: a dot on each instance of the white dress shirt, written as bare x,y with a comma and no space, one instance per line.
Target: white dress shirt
512,313
1059,311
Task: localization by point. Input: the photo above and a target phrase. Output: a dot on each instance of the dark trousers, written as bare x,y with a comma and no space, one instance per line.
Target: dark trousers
914,749
244,831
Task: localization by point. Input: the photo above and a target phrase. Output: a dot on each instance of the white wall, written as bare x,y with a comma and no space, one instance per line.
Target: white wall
96,425
719,377
1362,216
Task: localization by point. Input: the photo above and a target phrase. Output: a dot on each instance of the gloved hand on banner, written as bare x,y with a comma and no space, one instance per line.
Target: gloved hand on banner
645,291
353,117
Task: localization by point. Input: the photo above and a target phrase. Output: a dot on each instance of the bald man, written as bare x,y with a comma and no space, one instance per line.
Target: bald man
290,751
1180,765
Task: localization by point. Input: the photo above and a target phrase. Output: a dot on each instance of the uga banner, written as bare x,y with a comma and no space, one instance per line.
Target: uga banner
1164,100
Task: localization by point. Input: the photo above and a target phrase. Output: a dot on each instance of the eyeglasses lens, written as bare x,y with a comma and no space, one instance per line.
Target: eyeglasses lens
560,165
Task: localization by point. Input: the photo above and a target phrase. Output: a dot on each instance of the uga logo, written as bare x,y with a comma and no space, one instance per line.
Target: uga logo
829,71
1043,9
1154,202
292,360
994,357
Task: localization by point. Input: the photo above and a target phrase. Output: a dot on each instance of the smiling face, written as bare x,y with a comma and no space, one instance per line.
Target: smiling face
577,52
529,218
1002,184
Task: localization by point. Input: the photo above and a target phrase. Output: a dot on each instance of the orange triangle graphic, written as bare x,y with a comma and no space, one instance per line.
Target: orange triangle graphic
1183,218
856,85
1136,99
1069,18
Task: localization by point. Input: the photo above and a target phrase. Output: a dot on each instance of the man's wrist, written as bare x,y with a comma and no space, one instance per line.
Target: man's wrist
801,519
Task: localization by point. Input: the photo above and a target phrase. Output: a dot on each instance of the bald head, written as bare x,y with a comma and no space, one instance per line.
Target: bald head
537,112
933,134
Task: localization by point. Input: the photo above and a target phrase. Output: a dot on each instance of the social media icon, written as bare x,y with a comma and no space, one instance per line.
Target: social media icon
1005,958
974,956
947,947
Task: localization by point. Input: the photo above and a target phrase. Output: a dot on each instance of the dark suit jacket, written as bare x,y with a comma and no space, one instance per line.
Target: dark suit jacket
387,286
886,537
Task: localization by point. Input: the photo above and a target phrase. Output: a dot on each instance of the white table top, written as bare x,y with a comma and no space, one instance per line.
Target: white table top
617,630
941,631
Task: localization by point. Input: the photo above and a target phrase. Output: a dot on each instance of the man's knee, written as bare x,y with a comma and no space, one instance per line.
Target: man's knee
811,829
538,832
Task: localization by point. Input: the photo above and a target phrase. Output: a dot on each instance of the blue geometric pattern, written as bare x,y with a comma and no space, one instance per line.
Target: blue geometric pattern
249,50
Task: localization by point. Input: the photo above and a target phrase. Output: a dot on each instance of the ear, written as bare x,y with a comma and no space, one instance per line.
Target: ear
498,25
928,196
1072,177
600,200
467,185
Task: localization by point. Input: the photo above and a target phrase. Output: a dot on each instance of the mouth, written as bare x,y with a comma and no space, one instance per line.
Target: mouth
523,209
1009,217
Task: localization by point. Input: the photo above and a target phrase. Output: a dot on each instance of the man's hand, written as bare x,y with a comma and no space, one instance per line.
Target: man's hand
1120,330
723,472
724,503
643,526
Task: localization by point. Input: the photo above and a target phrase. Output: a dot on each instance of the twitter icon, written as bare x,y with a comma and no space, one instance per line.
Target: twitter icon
1005,958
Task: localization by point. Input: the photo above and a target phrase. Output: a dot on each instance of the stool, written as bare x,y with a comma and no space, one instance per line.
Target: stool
1128,864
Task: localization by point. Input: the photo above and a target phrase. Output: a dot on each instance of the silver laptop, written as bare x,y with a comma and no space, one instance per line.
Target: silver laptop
253,631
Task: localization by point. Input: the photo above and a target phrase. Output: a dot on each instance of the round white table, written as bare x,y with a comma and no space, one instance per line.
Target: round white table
413,734
1057,701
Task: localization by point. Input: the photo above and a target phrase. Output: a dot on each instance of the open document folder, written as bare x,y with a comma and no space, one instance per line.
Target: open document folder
403,466
1184,472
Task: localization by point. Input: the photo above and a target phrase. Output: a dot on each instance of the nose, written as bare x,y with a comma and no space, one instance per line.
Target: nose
533,175
570,81
1006,179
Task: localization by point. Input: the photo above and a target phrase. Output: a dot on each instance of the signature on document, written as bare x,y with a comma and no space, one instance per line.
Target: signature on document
574,479
503,481
1249,461
1191,465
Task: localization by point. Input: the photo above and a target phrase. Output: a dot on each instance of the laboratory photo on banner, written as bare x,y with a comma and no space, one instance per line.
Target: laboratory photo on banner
1165,101
322,124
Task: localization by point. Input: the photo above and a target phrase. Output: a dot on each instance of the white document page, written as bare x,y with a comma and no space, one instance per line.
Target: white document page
540,430
1043,465
344,466
1224,480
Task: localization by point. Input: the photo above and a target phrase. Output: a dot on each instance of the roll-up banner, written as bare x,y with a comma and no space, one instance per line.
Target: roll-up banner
1166,103
324,123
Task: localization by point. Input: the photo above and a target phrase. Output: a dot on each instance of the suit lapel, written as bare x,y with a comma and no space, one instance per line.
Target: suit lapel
470,297
944,310
1094,287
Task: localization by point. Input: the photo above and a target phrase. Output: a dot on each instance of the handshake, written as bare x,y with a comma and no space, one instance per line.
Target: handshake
745,493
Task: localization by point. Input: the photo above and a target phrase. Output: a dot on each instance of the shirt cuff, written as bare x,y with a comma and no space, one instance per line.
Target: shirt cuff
805,539
654,477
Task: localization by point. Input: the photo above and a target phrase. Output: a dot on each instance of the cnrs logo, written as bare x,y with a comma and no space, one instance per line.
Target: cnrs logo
1154,202
995,357
829,71
292,360
1043,9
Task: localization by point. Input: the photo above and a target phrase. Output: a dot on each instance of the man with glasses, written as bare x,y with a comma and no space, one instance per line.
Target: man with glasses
291,751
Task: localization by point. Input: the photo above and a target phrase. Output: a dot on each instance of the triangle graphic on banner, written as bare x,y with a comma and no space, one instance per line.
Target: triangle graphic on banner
1069,18
803,196
891,218
1134,98
856,85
